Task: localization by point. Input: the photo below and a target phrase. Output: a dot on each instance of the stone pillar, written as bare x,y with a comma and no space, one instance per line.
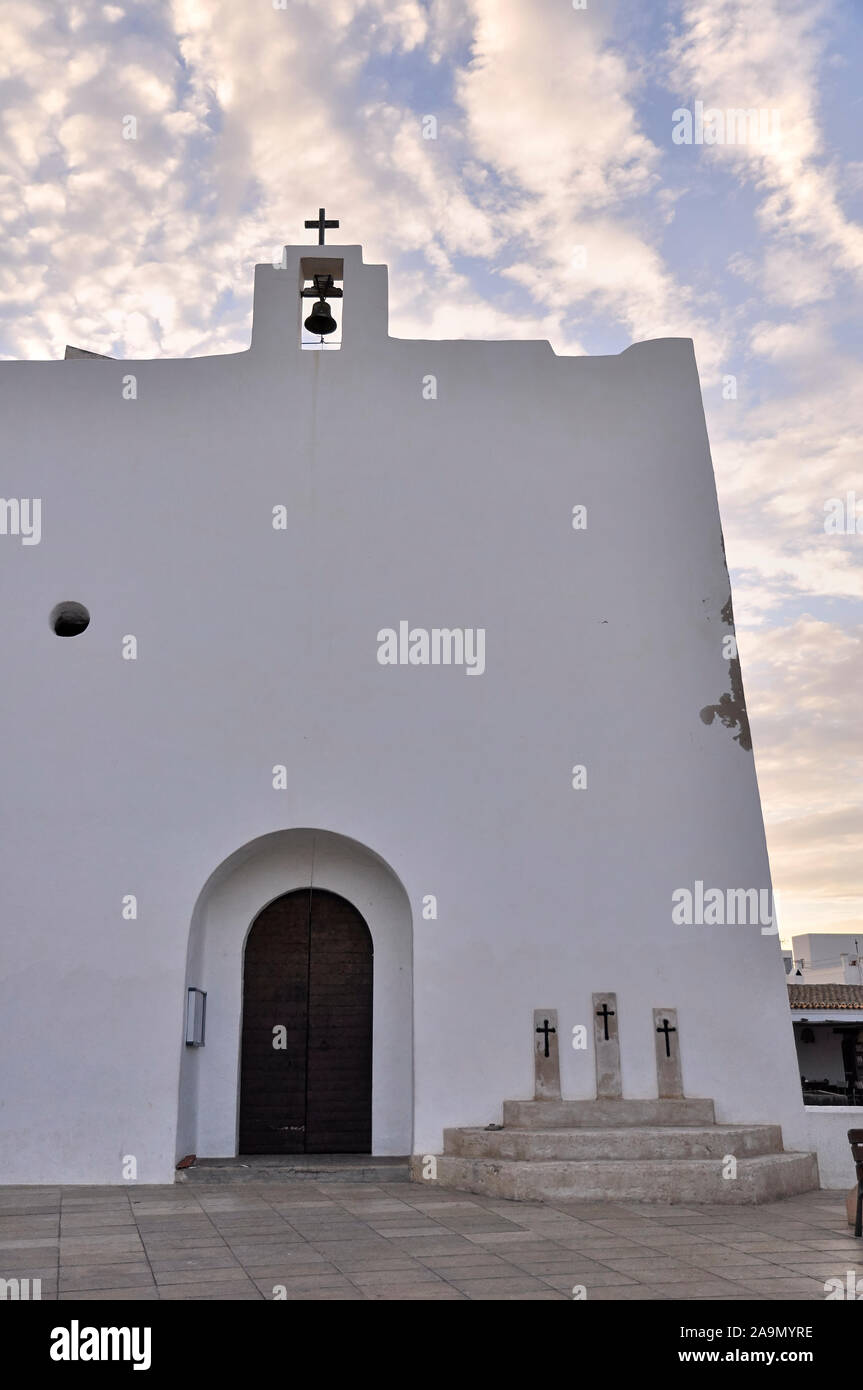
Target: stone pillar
606,1047
546,1056
667,1038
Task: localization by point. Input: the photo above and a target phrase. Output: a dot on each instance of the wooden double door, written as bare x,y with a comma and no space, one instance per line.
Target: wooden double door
306,1065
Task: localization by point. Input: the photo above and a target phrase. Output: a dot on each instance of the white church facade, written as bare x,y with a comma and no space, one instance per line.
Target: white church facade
405,733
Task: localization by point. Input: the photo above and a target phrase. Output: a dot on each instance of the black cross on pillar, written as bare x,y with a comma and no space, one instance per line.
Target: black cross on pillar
667,1031
546,1030
605,1013
321,222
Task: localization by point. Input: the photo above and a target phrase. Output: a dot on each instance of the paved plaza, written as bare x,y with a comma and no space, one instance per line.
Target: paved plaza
333,1240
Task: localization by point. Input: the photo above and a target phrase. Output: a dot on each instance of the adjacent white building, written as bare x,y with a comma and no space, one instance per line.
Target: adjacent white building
820,958
828,1034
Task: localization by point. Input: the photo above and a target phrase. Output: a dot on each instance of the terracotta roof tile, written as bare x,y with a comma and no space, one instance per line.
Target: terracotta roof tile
825,996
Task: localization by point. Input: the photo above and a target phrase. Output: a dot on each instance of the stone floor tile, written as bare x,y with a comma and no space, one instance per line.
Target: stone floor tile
221,1275
94,1222
110,1277
798,1297
502,1238
578,1269
596,1248
321,1296
268,1289
32,1225
386,1278
273,1251
762,1270
466,1261
591,1279
110,1295
281,1274
405,1230
336,1234
292,1260
265,1228
392,1263
709,1288
400,1293
792,1283
34,1270
664,1270
110,1200
169,1245
27,1206
548,1296
147,1209
335,1279
430,1201
629,1293
93,1251
13,1246
832,1270
714,1259
379,1207
231,1293
184,1225
431,1245
194,1259
834,1247
509,1283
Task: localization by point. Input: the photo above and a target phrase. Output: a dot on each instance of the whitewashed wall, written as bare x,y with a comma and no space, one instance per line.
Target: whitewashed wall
258,647
825,1132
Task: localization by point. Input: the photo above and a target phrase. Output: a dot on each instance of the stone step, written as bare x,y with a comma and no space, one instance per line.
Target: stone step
272,1168
621,1142
671,1180
600,1114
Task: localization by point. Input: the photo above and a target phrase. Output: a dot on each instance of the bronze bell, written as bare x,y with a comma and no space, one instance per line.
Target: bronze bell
320,320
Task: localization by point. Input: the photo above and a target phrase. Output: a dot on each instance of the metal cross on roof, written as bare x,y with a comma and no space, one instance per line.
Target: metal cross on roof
321,222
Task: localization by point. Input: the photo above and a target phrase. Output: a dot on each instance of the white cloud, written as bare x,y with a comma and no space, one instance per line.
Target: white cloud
810,760
736,56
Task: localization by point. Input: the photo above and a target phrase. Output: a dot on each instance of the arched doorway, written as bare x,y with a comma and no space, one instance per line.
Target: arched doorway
230,902
306,1045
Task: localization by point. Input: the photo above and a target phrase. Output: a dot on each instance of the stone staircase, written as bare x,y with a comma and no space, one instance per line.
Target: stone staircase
621,1150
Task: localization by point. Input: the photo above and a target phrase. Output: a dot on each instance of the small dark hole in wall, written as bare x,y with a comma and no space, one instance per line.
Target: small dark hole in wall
69,619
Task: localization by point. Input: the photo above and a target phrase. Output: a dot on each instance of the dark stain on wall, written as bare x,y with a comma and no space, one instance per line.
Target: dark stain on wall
730,708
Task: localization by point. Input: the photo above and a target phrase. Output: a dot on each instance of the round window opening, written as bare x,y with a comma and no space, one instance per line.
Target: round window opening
68,619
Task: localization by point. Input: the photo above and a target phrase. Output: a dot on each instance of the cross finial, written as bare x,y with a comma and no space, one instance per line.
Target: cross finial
321,222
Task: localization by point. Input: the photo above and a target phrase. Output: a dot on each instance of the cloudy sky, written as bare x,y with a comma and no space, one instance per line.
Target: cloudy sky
554,202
